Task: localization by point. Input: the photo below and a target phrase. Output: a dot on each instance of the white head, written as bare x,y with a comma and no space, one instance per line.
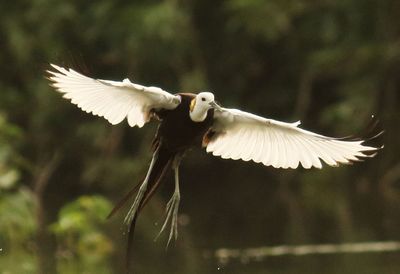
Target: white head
200,105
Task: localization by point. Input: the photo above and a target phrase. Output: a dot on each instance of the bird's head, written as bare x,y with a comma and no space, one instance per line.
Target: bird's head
201,104
203,101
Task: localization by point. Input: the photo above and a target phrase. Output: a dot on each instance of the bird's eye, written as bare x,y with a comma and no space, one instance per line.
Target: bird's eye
203,99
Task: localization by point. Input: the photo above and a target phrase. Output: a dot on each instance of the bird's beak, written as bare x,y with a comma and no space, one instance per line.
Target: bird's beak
215,106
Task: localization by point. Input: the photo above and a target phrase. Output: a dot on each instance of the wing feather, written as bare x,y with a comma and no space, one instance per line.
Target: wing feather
267,149
255,144
240,150
112,100
249,146
291,151
280,149
242,135
322,154
235,153
305,160
274,149
260,148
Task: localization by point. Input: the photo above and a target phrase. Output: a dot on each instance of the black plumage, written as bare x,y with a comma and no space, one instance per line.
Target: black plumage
171,142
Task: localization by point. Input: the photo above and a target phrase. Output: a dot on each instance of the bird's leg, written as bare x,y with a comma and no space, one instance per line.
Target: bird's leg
143,187
172,206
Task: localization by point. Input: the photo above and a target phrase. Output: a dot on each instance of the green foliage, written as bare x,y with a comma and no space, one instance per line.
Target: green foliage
17,203
9,173
79,228
17,218
16,261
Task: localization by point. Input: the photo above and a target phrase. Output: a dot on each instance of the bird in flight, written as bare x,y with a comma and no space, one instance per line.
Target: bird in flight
188,120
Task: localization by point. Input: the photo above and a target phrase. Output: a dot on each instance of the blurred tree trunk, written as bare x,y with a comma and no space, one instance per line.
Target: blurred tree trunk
46,243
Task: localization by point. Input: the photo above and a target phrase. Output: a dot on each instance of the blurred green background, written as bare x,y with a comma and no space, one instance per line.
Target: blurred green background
330,63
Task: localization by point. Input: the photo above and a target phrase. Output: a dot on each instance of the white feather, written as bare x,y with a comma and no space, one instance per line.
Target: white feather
267,147
243,135
112,100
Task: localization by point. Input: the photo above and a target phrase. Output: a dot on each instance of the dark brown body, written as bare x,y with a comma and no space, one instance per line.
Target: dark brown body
176,134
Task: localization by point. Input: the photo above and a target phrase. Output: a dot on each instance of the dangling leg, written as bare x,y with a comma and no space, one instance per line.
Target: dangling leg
173,205
161,162
143,187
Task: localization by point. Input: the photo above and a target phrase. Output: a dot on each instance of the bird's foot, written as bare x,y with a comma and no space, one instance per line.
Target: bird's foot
172,214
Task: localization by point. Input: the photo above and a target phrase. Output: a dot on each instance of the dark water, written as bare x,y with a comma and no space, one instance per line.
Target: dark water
170,262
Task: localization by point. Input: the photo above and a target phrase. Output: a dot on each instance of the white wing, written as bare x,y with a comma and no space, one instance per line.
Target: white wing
112,100
242,135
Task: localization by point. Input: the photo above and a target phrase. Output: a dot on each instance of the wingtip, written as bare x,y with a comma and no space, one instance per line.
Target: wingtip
55,66
57,72
51,73
372,155
58,69
297,123
47,77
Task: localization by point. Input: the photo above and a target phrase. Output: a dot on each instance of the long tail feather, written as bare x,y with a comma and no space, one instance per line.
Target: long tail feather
123,201
164,159
129,251
146,198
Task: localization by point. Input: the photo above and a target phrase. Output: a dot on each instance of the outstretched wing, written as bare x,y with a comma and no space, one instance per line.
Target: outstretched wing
242,135
112,100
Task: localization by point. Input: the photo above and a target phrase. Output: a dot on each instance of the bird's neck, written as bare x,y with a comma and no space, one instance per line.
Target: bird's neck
198,114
